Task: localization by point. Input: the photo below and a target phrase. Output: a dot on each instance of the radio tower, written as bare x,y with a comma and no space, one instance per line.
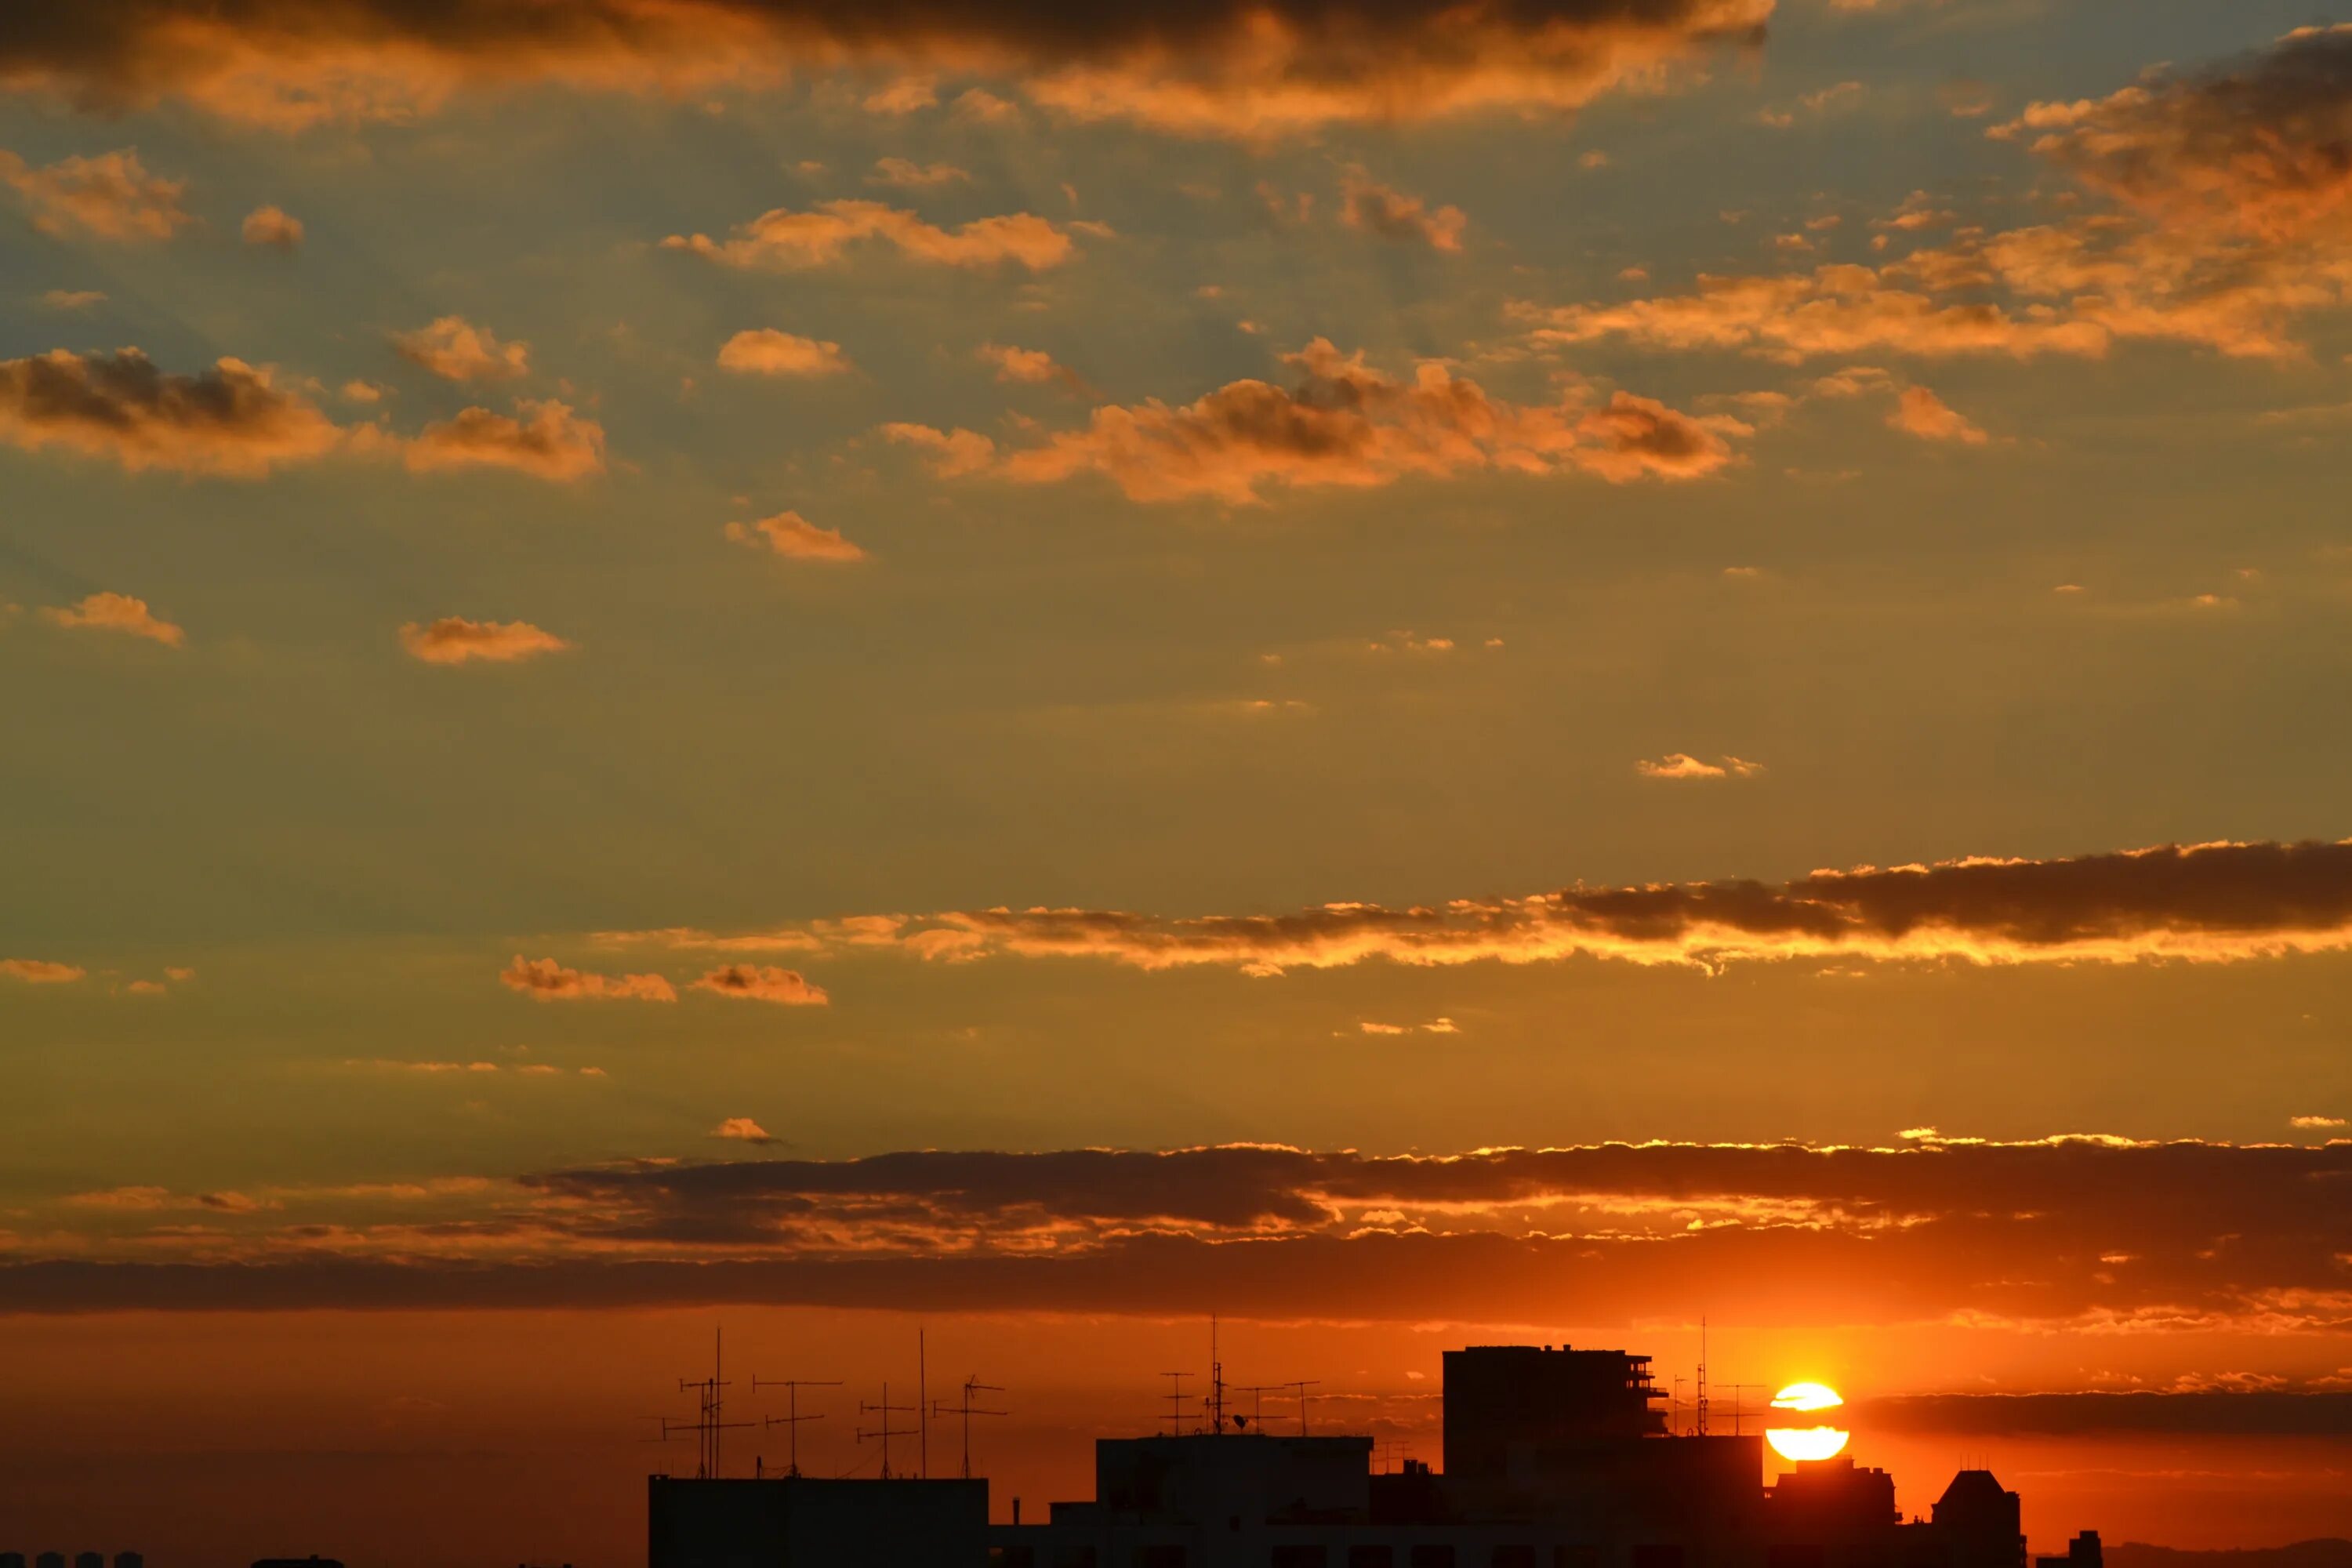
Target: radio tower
791,1422
709,1421
972,1385
885,1431
1301,1385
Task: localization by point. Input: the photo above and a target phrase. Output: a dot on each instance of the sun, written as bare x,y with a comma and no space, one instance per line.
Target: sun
1819,1441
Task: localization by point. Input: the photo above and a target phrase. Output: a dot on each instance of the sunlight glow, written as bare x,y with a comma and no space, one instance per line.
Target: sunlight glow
1803,1443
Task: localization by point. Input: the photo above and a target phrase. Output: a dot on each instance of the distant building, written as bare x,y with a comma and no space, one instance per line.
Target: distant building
128,1559
12,1559
50,1559
1555,1458
90,1560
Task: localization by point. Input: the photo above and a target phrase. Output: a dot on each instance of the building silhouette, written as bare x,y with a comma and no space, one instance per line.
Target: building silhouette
1555,1458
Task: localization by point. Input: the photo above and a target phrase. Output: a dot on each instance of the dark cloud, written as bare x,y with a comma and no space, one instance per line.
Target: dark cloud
233,419
2093,1235
1231,66
2234,1414
2207,903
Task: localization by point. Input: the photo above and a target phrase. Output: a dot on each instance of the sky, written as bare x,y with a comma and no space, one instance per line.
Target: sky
1418,675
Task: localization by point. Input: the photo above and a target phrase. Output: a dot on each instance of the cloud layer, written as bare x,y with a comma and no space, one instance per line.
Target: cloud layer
1234,67
2092,1235
2205,902
1343,424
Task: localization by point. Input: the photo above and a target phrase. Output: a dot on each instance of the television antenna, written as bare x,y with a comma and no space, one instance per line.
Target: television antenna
1700,1428
967,1409
1257,1393
1175,1397
792,1421
709,1416
1301,1385
885,1431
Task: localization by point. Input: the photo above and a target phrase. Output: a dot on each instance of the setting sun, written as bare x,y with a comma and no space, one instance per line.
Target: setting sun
1819,1441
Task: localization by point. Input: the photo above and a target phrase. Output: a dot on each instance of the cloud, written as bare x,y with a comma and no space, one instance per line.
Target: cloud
452,639
763,350
2229,216
544,980
110,196
1923,414
272,227
744,1128
2248,1412
1377,209
1027,366
1344,424
2315,1123
72,298
759,983
2197,903
231,420
1682,765
783,238
1230,67
1836,310
909,175
2094,1236
953,453
455,350
555,444
41,971
788,533
118,613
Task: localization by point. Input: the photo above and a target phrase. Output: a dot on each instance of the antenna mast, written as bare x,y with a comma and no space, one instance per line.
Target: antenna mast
1302,1384
885,1431
1216,1380
972,1385
792,1422
1702,1377
709,1421
922,1406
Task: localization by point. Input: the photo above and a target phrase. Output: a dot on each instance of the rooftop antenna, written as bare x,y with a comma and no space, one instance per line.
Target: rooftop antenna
708,1423
1302,1384
922,1406
1701,1430
1216,1380
792,1422
885,1431
972,1385
1257,1393
1175,1397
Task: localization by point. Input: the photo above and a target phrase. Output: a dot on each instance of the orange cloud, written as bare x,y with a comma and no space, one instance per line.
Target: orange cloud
555,444
1344,423
790,534
1835,310
1393,215
1251,68
908,174
743,1128
455,350
110,196
1682,765
2197,903
1923,414
41,971
544,980
783,238
230,420
274,227
452,639
118,613
764,351
759,982
1031,366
